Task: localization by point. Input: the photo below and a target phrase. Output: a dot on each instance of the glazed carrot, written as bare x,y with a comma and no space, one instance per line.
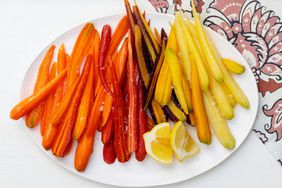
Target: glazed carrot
28,104
85,143
80,50
140,152
109,153
60,109
107,131
119,33
105,44
119,64
34,117
119,130
85,103
83,152
132,95
96,112
49,102
203,130
51,130
96,51
65,134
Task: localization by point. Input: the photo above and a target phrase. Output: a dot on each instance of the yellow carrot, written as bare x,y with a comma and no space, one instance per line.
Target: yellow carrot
218,123
210,57
176,78
202,72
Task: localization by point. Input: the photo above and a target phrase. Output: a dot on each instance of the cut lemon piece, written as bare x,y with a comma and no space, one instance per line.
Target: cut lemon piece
182,143
157,143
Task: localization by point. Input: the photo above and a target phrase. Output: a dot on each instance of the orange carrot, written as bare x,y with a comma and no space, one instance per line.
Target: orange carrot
60,109
28,104
49,103
34,117
85,143
80,50
203,130
83,151
85,103
96,112
51,130
118,35
65,135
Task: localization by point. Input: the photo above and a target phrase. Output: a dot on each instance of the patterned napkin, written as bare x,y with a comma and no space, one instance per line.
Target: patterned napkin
256,32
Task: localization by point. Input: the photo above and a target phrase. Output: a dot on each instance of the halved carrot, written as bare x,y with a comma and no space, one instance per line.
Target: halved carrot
65,135
108,129
96,52
119,33
116,39
119,64
85,143
85,103
35,116
60,110
29,103
80,50
202,125
83,151
49,103
51,130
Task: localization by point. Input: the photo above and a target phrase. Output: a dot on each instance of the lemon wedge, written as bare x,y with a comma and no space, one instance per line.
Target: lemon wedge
157,143
182,143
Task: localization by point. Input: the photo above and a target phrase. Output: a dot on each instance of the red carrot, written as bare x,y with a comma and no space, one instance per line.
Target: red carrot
140,153
132,96
109,153
105,43
119,130
108,129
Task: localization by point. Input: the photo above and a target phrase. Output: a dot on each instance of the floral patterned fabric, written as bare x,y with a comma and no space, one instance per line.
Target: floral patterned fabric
256,32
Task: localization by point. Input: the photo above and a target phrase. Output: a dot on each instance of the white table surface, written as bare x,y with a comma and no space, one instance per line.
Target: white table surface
26,27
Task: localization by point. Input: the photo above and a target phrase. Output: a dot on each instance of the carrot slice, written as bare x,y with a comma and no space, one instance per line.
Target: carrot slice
118,35
119,64
203,130
64,136
34,117
51,130
49,103
28,104
60,109
80,50
96,52
108,129
85,103
83,152
116,39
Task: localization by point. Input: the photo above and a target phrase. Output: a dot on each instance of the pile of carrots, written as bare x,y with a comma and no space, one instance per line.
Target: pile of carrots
97,87
108,82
